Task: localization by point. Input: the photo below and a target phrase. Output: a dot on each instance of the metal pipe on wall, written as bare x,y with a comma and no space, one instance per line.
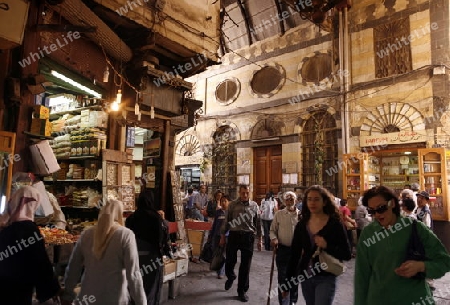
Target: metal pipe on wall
165,165
347,79
342,81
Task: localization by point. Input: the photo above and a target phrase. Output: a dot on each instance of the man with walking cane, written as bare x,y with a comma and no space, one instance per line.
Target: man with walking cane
281,233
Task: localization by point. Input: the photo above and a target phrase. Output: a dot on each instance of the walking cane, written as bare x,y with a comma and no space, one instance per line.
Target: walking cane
271,274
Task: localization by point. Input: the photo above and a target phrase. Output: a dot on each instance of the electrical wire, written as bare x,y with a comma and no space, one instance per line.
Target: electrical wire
122,78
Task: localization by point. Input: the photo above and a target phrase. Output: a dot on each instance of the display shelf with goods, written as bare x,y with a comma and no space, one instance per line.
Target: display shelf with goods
433,163
118,178
399,171
76,184
356,177
79,129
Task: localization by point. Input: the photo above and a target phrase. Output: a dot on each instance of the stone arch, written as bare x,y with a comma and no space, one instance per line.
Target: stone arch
392,117
188,145
301,120
227,127
266,128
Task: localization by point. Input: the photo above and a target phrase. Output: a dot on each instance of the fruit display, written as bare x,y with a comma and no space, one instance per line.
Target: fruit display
55,236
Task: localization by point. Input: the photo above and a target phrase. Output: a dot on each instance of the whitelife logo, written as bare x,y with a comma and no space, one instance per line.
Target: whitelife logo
47,50
11,250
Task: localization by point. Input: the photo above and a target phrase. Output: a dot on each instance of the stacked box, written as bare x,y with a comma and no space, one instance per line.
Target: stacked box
182,266
84,118
41,112
170,269
41,127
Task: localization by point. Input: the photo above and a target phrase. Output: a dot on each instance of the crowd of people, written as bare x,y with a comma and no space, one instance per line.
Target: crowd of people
120,262
297,227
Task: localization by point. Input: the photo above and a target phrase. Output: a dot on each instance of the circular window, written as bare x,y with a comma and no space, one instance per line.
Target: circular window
228,90
268,80
315,69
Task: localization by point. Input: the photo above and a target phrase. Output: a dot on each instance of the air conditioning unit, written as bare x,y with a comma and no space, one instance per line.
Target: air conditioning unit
13,18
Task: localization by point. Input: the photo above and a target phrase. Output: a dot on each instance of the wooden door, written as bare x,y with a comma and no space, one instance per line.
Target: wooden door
267,171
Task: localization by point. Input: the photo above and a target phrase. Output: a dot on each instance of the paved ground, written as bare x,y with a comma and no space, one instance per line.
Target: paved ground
201,286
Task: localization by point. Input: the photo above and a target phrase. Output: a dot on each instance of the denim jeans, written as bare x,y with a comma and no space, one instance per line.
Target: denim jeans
319,290
266,229
282,259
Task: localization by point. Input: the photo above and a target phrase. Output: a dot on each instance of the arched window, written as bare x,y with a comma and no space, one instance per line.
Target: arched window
319,151
224,160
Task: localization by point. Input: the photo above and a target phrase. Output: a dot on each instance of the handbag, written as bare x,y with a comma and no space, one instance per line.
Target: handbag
218,259
415,250
333,265
207,252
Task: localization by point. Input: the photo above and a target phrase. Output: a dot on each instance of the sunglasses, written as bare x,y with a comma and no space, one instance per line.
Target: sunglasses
380,210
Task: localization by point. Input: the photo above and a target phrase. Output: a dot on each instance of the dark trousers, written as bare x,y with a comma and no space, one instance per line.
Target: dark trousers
152,278
266,229
282,259
242,241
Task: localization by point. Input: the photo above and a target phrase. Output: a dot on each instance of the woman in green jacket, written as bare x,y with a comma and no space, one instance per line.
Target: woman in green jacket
382,274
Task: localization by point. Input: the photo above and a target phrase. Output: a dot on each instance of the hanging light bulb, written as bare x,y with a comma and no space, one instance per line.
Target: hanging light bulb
119,96
115,106
152,112
106,75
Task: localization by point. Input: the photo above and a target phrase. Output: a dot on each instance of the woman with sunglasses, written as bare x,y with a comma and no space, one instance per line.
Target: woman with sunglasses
382,276
320,226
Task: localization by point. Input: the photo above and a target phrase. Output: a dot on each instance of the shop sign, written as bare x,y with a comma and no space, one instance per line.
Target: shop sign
401,137
185,160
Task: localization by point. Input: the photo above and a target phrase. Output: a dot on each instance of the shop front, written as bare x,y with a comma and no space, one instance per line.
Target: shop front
399,160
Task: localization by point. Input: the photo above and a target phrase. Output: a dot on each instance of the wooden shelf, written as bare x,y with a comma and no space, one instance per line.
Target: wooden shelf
37,136
79,157
73,180
55,115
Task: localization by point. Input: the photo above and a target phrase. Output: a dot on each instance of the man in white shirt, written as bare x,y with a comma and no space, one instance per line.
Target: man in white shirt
281,233
200,200
423,211
268,208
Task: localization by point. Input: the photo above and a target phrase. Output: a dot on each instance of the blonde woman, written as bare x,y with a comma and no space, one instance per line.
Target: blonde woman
108,254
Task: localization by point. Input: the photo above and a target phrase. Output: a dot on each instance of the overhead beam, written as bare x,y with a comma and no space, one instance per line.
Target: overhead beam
280,20
247,25
65,28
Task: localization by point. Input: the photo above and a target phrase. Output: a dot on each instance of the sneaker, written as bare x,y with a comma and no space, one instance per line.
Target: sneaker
228,284
243,297
220,276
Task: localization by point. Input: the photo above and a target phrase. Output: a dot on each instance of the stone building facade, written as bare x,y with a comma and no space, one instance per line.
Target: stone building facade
316,94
